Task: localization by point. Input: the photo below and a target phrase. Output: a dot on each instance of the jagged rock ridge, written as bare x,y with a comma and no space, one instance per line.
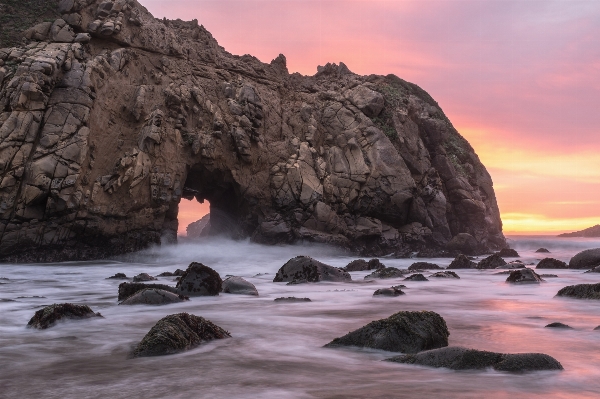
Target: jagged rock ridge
108,117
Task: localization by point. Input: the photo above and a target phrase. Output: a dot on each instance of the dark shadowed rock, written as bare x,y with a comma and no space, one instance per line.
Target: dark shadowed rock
548,275
524,276
594,270
200,280
407,332
462,262
392,291
551,263
375,264
50,315
558,325
445,274
143,277
177,272
304,269
593,231
237,285
465,243
508,253
357,265
587,259
178,333
597,328
416,277
423,266
292,299
542,250
457,358
153,296
491,262
515,264
581,291
118,276
128,289
388,272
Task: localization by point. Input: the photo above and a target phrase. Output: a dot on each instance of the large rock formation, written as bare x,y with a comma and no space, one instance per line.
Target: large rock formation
108,117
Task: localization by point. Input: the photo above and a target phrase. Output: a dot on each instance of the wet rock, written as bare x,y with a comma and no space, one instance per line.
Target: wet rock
587,259
465,243
462,262
154,296
445,274
392,291
423,266
516,264
491,262
177,333
416,277
118,276
128,289
361,265
292,299
143,277
388,272
524,276
304,269
177,272
508,253
50,315
457,358
558,325
237,285
542,250
407,332
551,263
375,264
200,280
581,291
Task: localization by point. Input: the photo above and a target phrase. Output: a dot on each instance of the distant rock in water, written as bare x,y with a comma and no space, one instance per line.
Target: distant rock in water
361,265
508,253
115,116
153,296
50,315
594,270
388,272
542,250
462,262
587,259
237,285
416,277
558,325
304,269
200,280
593,231
491,262
128,289
392,291
177,272
292,299
551,263
445,274
143,277
423,266
581,291
524,276
407,332
118,276
177,333
457,358
200,228
515,264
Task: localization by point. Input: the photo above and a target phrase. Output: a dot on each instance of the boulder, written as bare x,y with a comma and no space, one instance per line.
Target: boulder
423,266
462,262
457,358
50,315
361,265
388,272
117,276
304,269
491,262
542,250
465,243
581,291
407,332
143,277
200,280
178,333
508,253
128,289
153,296
237,285
375,264
416,277
515,264
524,276
558,325
587,259
292,299
177,272
392,291
551,263
445,274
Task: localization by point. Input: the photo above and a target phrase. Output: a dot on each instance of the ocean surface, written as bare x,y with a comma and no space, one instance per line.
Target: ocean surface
276,349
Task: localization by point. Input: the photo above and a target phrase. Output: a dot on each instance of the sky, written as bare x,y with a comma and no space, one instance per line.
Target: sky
520,80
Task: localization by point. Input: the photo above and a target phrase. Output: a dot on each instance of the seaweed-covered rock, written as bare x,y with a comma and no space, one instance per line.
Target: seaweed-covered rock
524,276
558,325
542,250
462,262
581,291
508,253
177,333
200,280
237,285
445,274
551,263
117,276
143,277
388,272
423,266
457,358
416,277
128,289
292,299
154,296
50,315
407,332
304,269
491,262
392,291
585,259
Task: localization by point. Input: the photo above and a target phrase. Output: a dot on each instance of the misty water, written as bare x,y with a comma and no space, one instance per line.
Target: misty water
276,349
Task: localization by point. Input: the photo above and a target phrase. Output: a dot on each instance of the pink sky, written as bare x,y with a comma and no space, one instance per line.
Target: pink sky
520,80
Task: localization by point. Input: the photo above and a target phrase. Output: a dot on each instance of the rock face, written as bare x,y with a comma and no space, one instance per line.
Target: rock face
407,332
551,263
581,291
491,262
199,228
50,315
237,285
465,243
153,296
587,259
177,333
200,280
387,272
524,276
593,231
304,269
128,289
462,262
457,358
108,117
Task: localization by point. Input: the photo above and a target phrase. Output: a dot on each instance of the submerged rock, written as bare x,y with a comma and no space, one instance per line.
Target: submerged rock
462,262
178,333
508,253
200,280
416,277
392,291
408,332
524,276
237,285
388,272
491,262
542,250
50,315
304,269
128,289
118,276
292,299
457,358
551,263
581,291
445,274
587,259
423,266
558,325
153,296
143,277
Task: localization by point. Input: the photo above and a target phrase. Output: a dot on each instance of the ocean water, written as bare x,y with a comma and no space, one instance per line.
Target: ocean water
276,349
